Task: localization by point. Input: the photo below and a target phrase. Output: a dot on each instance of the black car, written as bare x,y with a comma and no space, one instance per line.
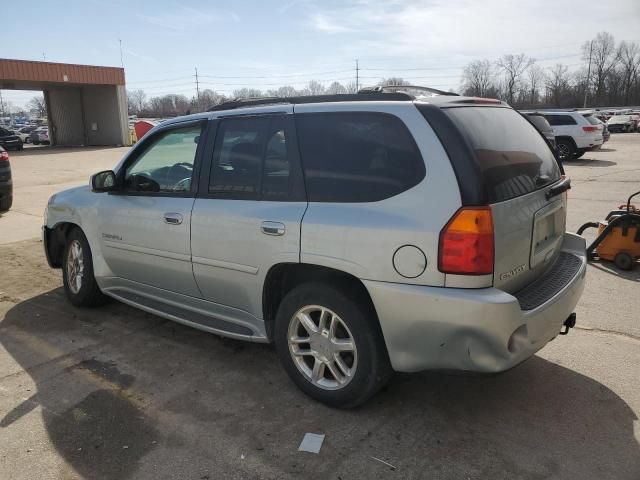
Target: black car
543,127
9,141
6,185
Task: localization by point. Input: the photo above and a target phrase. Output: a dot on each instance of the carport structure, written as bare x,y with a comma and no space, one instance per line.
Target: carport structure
86,105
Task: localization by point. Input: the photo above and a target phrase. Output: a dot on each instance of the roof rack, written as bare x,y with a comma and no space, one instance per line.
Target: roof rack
361,96
402,88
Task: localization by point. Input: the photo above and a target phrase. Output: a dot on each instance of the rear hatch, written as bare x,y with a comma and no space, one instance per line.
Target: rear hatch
521,181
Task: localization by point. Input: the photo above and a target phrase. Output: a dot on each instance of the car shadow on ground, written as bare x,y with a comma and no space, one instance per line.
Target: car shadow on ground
606,149
609,267
587,162
115,384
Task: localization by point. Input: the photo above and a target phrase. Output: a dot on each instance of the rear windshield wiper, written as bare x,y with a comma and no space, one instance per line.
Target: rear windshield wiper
557,189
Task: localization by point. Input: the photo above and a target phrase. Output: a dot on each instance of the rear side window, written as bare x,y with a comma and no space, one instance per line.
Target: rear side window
357,156
255,158
561,120
512,157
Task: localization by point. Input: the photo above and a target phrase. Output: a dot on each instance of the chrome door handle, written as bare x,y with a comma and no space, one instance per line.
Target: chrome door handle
173,218
272,228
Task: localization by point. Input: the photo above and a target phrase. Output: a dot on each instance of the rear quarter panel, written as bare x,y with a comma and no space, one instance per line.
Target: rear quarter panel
361,238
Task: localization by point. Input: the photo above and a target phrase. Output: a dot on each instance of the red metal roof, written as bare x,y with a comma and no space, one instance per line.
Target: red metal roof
29,71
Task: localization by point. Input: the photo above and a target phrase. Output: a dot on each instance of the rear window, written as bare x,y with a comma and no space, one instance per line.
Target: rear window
540,122
357,156
592,120
513,158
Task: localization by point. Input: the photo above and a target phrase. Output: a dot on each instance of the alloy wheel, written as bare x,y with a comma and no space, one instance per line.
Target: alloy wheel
75,266
322,347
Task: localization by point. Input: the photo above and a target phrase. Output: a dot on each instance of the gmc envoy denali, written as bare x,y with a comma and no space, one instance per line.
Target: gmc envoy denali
362,234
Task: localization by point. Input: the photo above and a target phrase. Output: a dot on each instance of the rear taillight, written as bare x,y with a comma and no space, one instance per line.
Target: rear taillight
466,243
591,129
4,156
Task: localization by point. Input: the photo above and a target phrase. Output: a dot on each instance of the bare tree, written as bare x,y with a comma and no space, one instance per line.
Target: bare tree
629,54
557,83
336,88
37,106
247,93
513,66
315,88
351,87
478,78
137,100
393,81
536,78
604,58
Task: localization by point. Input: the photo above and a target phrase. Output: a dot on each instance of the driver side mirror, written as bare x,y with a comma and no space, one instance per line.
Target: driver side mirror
104,181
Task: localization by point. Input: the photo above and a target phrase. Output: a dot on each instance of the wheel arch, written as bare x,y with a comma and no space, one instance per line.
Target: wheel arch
567,137
284,277
55,239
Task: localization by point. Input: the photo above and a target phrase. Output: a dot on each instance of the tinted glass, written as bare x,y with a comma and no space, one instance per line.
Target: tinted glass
592,120
357,156
540,123
167,164
560,120
236,170
513,158
277,171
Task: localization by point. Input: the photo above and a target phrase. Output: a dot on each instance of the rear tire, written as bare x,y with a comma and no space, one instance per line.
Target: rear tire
566,149
623,261
77,272
5,204
345,361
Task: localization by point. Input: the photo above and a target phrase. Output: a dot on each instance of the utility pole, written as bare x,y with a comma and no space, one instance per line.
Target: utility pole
1,105
44,57
357,76
586,87
121,62
197,87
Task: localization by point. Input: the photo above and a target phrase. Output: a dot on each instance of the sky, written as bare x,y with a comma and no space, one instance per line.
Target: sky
266,44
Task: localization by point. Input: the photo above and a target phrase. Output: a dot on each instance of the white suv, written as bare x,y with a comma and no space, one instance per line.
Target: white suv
360,233
575,132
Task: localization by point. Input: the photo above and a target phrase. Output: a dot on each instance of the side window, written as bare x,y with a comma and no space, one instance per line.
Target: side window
357,156
252,159
166,165
561,120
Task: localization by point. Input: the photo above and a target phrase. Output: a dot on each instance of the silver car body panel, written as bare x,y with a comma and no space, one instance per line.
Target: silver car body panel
470,329
361,238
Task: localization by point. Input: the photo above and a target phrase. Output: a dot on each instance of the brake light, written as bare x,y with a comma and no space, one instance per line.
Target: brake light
466,243
590,129
4,155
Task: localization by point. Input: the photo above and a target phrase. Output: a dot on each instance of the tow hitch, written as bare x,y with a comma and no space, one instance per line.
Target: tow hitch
569,323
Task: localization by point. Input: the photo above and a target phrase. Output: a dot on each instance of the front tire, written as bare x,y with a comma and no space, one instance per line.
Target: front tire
77,272
330,345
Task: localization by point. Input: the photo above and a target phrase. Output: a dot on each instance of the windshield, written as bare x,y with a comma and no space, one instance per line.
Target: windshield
513,158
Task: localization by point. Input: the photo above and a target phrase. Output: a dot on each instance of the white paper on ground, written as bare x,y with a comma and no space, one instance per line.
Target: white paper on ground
312,442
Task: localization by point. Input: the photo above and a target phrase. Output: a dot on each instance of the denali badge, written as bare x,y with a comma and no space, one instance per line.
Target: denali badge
512,273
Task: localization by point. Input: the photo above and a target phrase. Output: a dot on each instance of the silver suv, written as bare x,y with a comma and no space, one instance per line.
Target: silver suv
362,234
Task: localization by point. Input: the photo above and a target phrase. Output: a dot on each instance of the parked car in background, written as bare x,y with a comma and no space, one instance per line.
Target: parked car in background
605,130
23,136
575,133
40,136
635,118
6,184
27,131
541,123
9,140
620,124
360,233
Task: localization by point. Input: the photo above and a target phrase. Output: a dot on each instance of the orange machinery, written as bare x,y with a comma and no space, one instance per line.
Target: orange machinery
618,239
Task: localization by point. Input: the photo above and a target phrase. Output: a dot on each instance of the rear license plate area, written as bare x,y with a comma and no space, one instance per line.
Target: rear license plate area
548,231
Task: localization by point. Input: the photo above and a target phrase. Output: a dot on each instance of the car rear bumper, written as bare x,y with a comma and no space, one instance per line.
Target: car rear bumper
481,330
